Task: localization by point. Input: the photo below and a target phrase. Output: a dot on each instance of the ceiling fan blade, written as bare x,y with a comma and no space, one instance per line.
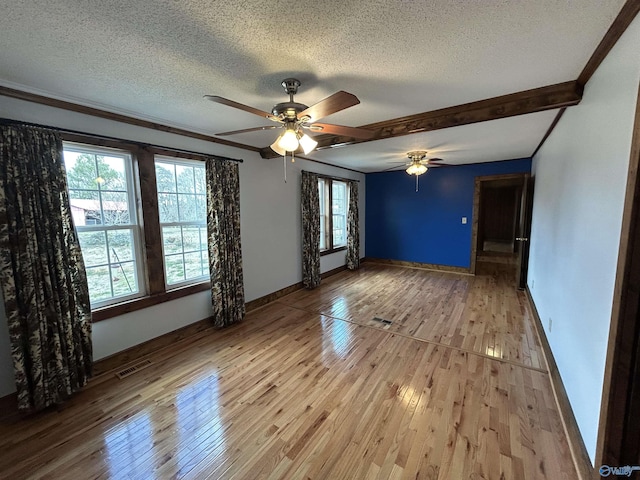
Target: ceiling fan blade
432,165
397,167
240,106
332,104
341,130
431,162
245,130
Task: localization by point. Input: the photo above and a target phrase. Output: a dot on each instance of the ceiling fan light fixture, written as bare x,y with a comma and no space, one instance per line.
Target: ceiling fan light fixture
276,147
292,117
416,169
307,143
288,141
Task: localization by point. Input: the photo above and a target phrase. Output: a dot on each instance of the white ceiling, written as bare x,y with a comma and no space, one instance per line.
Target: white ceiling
155,60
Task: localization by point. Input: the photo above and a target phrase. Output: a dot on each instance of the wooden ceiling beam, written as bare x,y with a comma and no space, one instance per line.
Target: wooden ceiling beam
95,112
529,101
627,14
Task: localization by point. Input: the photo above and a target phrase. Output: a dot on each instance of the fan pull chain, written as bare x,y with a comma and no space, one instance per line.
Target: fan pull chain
284,165
417,178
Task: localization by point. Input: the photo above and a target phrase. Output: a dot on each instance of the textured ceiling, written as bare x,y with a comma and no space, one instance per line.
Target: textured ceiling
156,59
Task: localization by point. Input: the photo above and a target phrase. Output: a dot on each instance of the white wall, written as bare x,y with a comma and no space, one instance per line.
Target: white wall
270,227
580,181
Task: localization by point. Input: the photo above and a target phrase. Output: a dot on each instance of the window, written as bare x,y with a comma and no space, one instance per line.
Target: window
141,245
339,214
102,199
182,208
323,216
333,214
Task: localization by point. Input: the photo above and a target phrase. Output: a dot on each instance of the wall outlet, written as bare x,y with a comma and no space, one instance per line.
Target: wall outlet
464,220
550,324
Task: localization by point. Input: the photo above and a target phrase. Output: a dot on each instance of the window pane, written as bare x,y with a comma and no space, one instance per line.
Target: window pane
165,177
321,195
185,241
168,207
175,268
99,181
204,251
191,239
94,248
339,230
185,179
121,246
82,171
123,276
204,260
85,207
339,198
99,283
339,212
333,213
201,205
201,185
80,194
111,173
193,265
171,240
115,208
188,207
203,238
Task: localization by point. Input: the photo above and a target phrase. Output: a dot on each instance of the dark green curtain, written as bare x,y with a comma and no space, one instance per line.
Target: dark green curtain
353,229
310,199
225,252
44,283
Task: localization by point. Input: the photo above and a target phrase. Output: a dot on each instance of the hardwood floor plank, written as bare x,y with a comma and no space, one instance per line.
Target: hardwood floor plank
310,386
482,314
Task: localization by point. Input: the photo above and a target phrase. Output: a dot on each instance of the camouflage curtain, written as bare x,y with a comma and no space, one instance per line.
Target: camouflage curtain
353,229
44,284
225,252
310,199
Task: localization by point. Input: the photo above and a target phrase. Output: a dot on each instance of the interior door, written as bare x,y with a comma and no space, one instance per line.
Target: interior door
524,230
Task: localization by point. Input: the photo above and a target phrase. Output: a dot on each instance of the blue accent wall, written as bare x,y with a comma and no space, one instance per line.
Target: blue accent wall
426,226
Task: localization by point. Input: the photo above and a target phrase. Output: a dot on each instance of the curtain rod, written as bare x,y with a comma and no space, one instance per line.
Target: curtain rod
8,121
331,177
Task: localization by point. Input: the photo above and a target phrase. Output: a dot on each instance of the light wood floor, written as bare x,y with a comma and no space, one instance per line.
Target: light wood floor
311,387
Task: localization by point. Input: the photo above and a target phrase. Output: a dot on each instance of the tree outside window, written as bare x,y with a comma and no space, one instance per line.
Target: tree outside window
333,214
102,202
182,205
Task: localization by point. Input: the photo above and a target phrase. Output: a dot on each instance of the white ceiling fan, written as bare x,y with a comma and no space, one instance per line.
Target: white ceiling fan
418,164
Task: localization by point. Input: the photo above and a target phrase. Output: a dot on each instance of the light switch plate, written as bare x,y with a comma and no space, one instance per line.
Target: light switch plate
464,220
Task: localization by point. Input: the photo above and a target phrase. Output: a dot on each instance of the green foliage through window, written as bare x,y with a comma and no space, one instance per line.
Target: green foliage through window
182,205
104,215
333,213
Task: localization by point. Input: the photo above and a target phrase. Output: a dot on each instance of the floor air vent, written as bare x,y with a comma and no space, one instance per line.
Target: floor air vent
133,369
382,320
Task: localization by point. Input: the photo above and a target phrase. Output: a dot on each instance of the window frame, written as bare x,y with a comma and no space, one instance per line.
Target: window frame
327,218
144,180
189,163
134,225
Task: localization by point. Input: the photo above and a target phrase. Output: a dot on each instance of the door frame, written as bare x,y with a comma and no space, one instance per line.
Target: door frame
524,231
476,210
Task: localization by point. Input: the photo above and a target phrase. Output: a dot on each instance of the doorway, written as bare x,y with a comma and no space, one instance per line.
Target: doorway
500,221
